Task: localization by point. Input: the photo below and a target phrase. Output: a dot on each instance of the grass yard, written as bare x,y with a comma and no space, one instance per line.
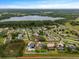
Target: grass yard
1,40
54,55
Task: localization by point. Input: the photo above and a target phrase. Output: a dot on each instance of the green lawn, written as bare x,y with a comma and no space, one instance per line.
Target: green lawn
77,19
54,55
1,40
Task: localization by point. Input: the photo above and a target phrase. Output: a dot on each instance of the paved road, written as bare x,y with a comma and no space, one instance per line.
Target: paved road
44,57
37,57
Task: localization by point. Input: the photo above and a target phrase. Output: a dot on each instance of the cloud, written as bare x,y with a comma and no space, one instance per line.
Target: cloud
43,5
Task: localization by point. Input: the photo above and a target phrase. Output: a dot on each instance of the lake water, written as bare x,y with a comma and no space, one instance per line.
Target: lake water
31,18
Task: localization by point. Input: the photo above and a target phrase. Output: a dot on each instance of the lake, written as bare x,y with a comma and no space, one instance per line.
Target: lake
31,18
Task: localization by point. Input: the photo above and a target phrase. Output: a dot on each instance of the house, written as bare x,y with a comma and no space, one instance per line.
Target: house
1,29
60,46
36,34
36,39
41,45
72,48
40,39
8,39
31,46
50,38
20,36
51,46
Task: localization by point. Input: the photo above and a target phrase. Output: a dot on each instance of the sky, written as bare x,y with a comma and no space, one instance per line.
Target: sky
40,4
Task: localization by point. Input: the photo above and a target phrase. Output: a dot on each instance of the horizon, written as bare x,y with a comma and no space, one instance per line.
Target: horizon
43,8
39,4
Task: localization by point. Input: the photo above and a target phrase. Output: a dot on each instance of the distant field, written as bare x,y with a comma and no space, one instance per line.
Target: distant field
76,27
77,19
